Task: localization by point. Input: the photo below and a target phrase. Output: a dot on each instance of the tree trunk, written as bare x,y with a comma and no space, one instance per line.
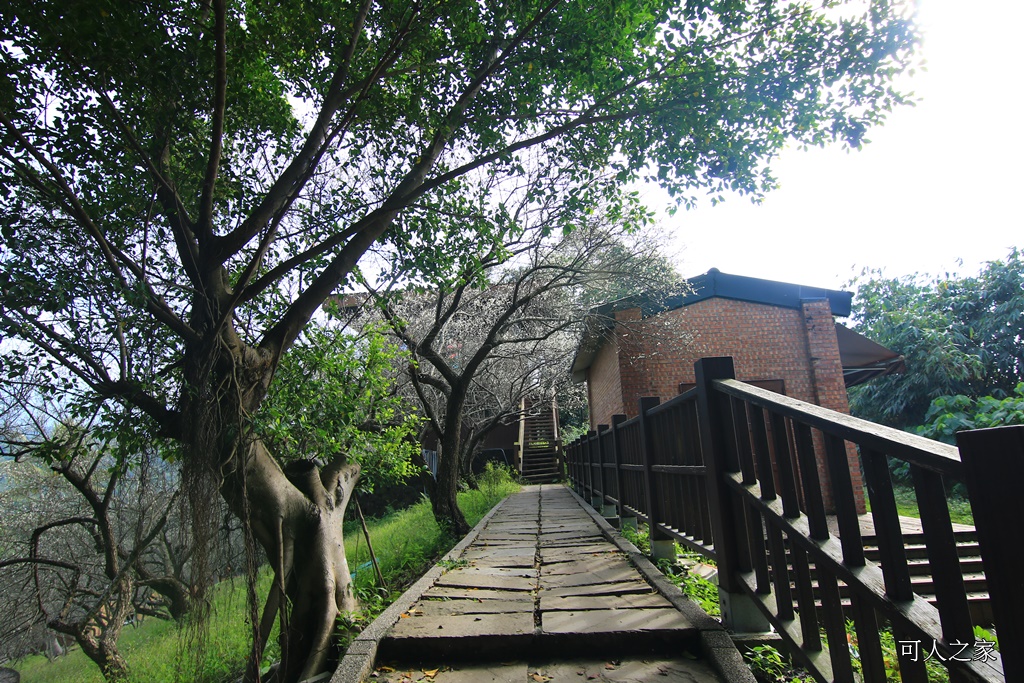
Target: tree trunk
297,515
445,502
104,653
97,635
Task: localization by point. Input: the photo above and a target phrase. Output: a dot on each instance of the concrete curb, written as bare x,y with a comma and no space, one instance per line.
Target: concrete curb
361,655
716,643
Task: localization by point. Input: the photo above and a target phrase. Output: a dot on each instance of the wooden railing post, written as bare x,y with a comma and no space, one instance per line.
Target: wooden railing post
567,456
598,493
581,465
574,467
739,611
588,465
661,545
993,461
620,509
603,506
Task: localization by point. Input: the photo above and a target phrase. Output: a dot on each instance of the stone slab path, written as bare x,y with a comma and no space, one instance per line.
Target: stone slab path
542,593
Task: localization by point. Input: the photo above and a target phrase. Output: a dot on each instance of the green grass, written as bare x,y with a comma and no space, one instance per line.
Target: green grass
152,648
407,543
906,506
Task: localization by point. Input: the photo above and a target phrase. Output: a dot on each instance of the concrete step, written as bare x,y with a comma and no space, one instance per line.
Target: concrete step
538,468
969,564
965,549
548,469
664,669
540,462
543,478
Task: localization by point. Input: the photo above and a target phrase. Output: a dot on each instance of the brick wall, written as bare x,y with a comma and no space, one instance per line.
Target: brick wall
635,376
604,390
827,373
766,342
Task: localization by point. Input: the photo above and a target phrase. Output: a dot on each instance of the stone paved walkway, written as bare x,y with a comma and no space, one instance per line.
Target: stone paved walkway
541,594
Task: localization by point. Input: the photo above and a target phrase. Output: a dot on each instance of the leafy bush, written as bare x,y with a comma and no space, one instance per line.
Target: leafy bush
638,536
336,392
497,478
696,587
766,663
948,415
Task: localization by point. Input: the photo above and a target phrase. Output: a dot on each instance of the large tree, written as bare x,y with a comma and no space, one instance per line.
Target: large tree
169,168
960,335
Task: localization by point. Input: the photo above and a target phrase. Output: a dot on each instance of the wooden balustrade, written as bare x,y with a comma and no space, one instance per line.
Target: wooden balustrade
730,470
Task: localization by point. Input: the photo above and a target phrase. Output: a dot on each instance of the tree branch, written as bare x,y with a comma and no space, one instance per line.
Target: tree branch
173,208
282,334
220,80
114,257
298,172
60,564
101,382
428,408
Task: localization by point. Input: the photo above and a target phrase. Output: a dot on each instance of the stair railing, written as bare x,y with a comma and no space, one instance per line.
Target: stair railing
732,471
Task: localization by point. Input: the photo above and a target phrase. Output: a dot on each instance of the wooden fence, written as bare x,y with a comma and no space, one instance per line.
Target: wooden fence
698,469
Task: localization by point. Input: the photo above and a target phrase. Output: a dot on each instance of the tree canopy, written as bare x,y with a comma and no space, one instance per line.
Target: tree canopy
505,330
960,335
183,185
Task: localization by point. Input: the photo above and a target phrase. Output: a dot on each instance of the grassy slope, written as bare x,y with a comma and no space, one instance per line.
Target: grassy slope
406,543
906,505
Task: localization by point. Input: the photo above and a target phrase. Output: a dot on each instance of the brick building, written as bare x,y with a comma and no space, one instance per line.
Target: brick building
781,336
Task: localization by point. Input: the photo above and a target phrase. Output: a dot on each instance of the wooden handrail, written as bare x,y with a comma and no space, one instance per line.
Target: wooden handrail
754,472
934,455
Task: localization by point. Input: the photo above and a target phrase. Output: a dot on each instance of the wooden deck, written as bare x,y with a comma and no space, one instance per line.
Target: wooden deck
543,589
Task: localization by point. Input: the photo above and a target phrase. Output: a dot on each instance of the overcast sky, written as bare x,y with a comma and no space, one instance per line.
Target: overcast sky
940,182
